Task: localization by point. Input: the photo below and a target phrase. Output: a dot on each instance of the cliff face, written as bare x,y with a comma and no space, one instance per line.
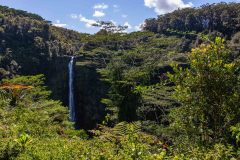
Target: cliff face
57,78
89,90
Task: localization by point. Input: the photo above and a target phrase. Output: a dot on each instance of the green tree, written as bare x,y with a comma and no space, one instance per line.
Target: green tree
209,93
110,27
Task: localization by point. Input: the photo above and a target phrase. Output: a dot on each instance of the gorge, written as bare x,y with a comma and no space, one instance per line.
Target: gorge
75,81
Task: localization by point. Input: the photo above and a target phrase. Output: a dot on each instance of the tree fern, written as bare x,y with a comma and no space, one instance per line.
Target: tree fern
121,129
125,128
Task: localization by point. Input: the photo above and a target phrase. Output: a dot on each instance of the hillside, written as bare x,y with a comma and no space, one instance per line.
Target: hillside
222,17
31,42
170,91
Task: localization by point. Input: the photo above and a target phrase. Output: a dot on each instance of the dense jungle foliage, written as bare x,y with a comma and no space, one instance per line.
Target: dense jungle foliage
174,88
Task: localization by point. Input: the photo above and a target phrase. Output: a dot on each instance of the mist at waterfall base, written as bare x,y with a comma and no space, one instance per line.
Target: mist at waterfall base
71,90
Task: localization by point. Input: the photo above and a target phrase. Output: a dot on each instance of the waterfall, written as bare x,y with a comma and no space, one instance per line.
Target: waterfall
71,90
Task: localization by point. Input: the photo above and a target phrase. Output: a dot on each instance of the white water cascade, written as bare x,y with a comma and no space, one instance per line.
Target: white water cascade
71,91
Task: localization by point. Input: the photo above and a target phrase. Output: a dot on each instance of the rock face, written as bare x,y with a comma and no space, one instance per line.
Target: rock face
89,90
57,78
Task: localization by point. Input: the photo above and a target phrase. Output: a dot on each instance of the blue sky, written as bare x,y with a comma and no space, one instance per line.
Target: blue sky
80,14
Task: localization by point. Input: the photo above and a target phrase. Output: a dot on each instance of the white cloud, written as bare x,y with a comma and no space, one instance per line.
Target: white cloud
74,16
98,14
138,27
124,16
100,6
88,22
115,6
114,22
128,25
59,24
165,6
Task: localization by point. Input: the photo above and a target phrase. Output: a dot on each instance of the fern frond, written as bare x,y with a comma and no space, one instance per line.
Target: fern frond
124,128
137,126
120,129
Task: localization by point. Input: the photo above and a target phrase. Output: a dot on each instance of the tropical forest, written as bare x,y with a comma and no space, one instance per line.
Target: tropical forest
168,91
